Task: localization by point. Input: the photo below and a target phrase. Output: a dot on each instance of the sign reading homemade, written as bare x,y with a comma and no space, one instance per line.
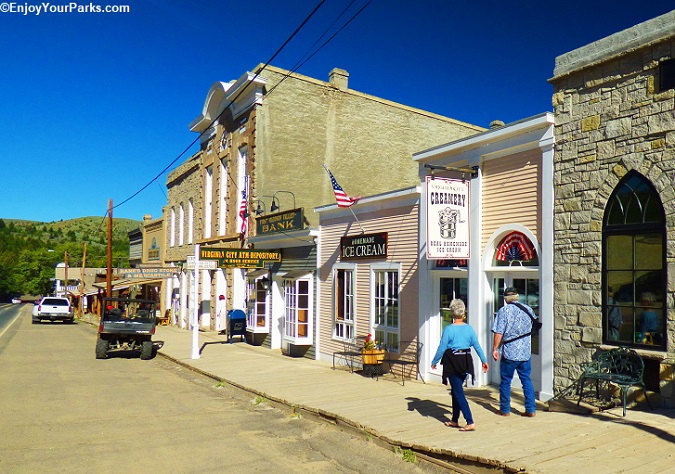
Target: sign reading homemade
280,222
240,258
364,246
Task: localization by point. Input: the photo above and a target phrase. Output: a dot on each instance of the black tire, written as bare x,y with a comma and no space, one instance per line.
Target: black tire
102,346
146,350
36,321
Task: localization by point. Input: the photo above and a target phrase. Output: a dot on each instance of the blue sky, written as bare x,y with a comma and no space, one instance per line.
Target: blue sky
94,106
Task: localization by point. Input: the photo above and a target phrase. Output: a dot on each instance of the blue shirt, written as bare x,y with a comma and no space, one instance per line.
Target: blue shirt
511,322
458,336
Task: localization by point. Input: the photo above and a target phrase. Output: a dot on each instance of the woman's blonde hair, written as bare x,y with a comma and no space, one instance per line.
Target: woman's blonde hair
457,308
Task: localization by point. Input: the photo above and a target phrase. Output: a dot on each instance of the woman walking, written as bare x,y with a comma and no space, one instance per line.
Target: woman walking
454,352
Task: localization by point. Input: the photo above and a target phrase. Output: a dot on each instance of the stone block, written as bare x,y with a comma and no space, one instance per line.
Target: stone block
591,335
590,123
666,372
590,319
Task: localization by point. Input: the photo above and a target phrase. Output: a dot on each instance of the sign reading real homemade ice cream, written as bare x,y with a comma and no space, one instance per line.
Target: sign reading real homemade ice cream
447,218
363,246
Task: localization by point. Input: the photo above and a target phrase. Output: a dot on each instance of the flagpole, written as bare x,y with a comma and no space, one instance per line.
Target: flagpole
357,220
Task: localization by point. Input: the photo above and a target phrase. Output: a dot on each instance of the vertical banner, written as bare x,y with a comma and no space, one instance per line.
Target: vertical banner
447,218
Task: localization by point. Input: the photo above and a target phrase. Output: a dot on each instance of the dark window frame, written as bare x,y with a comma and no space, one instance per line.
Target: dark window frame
666,75
652,221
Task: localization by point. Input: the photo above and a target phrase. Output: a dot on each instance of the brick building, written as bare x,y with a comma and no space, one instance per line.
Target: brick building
269,133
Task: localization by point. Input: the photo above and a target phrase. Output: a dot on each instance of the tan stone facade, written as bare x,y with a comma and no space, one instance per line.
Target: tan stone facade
612,117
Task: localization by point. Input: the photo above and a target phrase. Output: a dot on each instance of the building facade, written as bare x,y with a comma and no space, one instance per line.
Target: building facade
486,223
614,214
264,139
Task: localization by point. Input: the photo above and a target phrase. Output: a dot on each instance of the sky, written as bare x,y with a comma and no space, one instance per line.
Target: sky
96,106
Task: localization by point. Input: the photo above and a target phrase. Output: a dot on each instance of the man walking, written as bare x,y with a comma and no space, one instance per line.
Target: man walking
512,328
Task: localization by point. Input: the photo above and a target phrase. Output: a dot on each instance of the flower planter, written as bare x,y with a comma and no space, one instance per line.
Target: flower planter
372,356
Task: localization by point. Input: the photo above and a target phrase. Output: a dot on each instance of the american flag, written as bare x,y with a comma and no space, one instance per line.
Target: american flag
515,246
340,196
242,208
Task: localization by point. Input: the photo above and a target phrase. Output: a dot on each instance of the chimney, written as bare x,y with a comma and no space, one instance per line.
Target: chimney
496,124
339,78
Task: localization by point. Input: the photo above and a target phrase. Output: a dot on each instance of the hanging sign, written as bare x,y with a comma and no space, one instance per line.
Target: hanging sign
240,258
447,218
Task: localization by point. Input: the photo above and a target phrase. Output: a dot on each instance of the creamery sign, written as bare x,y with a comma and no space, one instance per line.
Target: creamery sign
447,218
363,246
240,258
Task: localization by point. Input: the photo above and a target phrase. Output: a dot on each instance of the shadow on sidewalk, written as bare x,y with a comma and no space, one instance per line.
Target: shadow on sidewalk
430,408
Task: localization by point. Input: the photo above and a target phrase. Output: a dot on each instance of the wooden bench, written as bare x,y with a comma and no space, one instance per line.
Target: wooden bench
621,366
406,355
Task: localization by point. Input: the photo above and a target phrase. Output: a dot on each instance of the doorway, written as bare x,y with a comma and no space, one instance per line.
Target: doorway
527,284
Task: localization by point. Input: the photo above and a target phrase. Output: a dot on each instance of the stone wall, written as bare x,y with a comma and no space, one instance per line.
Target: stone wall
610,118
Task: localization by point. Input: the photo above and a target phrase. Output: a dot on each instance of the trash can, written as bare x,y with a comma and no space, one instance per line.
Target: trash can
236,323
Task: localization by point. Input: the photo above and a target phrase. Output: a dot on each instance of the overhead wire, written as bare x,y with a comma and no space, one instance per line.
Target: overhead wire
278,51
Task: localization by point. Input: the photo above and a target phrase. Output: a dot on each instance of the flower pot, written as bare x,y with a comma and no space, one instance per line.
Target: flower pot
372,356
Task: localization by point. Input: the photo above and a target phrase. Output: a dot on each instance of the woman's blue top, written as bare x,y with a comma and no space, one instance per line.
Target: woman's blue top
458,336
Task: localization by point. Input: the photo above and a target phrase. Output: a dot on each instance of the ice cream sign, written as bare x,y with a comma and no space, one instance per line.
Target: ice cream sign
447,218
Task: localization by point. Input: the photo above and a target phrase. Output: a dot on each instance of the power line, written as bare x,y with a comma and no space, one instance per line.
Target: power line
321,2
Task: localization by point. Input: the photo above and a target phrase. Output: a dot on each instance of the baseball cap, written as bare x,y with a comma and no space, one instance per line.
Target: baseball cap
510,291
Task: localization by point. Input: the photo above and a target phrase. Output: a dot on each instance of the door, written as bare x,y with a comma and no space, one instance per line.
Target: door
447,286
527,285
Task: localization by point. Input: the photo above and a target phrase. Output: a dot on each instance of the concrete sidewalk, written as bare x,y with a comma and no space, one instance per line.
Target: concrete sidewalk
411,416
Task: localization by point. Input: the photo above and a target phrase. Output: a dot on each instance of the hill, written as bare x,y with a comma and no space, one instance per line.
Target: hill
30,250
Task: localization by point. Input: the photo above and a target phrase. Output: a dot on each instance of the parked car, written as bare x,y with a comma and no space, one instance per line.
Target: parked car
54,308
16,300
127,324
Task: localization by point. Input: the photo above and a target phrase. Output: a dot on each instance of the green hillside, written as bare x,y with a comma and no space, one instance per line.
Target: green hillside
29,250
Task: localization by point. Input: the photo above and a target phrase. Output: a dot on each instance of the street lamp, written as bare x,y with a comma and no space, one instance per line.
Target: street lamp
274,197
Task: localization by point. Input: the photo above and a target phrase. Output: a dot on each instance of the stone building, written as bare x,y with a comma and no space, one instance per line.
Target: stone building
614,215
268,134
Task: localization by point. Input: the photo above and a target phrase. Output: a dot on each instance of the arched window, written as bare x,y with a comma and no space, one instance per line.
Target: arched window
634,265
515,249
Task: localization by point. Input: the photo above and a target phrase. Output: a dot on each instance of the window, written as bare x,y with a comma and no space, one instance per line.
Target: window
386,308
191,221
667,75
634,276
181,224
297,314
208,201
344,303
222,211
258,294
172,229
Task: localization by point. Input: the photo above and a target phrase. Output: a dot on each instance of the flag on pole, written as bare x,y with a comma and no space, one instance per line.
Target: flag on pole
242,208
340,196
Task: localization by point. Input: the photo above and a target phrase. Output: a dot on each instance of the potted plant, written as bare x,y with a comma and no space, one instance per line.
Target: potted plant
371,352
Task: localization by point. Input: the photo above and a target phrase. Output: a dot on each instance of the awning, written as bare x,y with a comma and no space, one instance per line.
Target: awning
515,246
126,283
295,274
257,273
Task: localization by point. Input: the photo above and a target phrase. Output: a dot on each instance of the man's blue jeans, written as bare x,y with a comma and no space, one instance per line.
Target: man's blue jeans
506,369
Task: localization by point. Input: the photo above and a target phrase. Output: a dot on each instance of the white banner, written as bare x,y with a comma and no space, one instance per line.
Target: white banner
447,218
203,264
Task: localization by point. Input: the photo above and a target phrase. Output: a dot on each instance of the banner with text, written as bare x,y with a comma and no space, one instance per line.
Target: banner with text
447,218
240,258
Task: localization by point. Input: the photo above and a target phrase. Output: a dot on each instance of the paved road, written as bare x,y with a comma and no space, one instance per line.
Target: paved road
64,411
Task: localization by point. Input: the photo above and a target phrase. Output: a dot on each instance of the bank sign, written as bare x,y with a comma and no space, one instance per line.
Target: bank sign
447,218
363,246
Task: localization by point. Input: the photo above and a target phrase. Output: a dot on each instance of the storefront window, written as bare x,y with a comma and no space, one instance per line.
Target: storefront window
297,309
257,304
344,304
385,303
634,266
452,288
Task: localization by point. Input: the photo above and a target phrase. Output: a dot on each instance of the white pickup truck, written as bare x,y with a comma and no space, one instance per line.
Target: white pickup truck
53,308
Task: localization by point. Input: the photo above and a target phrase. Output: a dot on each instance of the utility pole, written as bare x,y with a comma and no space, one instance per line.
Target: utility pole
108,281
84,264
65,277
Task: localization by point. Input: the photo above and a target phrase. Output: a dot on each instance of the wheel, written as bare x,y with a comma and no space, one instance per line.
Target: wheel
102,346
36,321
146,350
70,321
